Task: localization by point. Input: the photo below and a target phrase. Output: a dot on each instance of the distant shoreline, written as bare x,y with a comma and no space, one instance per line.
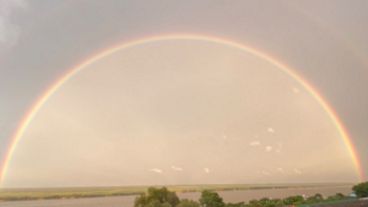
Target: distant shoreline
24,194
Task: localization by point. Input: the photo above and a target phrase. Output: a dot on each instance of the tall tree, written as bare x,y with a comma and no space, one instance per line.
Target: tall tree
188,203
157,197
211,199
361,189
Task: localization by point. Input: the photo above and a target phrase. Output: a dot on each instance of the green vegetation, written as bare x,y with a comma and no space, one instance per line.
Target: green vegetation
299,200
317,198
211,199
361,189
157,197
188,203
162,197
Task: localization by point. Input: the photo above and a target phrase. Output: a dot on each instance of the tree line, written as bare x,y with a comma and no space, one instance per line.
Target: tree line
162,197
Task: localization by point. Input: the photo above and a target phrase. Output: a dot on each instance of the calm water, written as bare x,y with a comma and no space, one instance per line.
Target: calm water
229,196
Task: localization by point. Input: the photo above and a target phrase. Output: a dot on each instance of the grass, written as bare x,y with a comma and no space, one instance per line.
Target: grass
16,194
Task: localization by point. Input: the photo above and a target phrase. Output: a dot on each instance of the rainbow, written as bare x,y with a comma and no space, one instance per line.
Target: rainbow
24,123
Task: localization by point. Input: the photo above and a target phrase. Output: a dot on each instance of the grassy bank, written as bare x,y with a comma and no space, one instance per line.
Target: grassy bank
16,194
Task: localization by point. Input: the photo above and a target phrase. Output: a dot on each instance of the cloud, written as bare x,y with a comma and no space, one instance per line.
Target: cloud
264,172
254,143
9,32
206,170
268,148
280,170
298,171
175,168
270,130
156,170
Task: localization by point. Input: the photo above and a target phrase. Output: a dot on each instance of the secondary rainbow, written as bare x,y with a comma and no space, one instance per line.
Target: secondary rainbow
27,119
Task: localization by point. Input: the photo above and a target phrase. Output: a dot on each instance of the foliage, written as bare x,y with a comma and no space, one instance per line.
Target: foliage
337,196
361,189
240,204
156,203
294,200
211,199
188,203
157,197
254,203
164,198
317,198
265,202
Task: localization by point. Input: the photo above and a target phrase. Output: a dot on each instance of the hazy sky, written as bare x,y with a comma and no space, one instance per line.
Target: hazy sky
325,41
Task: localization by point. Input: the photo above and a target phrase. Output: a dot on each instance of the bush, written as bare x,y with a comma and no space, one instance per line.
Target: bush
157,197
336,197
317,198
240,204
361,190
188,203
211,199
294,200
266,202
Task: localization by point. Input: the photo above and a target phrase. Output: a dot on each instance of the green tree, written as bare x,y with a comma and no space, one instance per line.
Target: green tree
315,198
156,203
294,200
211,199
254,203
157,197
240,204
188,203
277,203
336,197
361,189
266,202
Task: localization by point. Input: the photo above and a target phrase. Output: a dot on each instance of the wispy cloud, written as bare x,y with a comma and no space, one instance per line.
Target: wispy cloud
175,168
268,148
9,32
298,171
156,170
254,143
270,130
280,170
206,170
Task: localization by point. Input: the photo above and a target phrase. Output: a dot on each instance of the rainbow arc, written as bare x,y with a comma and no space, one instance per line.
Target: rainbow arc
28,117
